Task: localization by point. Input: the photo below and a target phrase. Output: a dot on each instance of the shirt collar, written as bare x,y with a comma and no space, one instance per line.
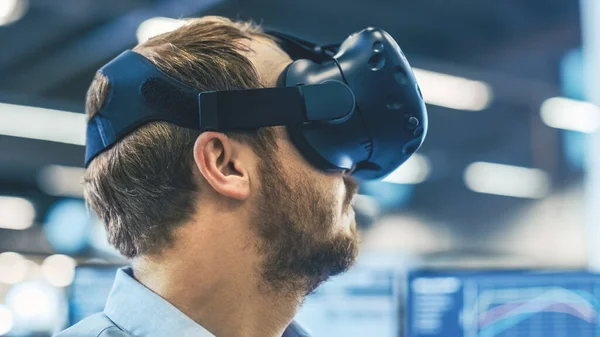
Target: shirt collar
139,311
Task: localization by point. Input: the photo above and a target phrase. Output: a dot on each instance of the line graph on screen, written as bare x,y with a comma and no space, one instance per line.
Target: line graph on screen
530,310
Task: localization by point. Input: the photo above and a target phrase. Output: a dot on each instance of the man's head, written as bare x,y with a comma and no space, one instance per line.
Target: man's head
162,178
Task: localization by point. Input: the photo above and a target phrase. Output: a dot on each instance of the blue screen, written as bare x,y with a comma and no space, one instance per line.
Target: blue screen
364,301
503,304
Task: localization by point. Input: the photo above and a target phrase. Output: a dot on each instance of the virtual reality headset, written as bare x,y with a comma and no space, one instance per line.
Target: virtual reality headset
350,107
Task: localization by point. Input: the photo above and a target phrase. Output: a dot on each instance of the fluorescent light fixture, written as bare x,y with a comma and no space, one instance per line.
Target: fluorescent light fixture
34,270
59,270
6,320
452,91
507,180
569,114
156,26
62,181
16,213
13,268
12,10
414,171
44,124
36,306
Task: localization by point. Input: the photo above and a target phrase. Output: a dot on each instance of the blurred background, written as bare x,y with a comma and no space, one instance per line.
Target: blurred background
492,229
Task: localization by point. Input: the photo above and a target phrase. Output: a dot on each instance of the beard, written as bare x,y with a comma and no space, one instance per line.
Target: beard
296,224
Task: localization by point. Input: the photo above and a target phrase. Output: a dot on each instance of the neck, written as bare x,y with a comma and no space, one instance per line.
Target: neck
218,287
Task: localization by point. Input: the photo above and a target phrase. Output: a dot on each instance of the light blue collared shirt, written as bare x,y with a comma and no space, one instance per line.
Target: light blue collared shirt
134,310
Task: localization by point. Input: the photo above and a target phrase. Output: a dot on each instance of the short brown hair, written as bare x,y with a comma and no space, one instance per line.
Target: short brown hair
143,187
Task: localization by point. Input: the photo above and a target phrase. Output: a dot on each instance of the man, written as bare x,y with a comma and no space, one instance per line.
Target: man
226,232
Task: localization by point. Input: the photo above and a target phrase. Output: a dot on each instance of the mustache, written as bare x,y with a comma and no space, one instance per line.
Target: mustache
351,190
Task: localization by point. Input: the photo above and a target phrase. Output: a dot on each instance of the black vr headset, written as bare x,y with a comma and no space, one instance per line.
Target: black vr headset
350,107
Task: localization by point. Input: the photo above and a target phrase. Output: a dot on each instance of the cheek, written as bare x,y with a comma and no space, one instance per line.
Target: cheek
340,194
328,189
333,193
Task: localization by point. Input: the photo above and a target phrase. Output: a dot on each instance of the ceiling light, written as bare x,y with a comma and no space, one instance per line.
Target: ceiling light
62,181
452,91
16,213
12,10
59,270
507,180
13,268
6,320
156,26
569,114
40,123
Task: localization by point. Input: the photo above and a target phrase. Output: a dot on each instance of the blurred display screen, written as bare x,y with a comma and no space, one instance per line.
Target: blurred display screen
503,304
89,290
364,301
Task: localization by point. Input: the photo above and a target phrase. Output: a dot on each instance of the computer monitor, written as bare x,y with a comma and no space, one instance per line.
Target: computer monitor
446,303
89,290
364,301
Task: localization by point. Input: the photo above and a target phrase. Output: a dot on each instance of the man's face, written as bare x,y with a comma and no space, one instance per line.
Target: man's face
305,221
304,216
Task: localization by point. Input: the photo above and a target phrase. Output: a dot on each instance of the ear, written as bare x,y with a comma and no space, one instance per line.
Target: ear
218,159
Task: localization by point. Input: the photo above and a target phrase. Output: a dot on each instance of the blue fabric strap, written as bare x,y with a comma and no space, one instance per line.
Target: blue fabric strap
139,93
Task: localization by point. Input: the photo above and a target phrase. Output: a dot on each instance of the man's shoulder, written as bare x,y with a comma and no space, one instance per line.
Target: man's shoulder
97,325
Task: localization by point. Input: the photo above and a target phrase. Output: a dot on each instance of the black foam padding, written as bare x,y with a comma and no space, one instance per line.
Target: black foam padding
168,100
